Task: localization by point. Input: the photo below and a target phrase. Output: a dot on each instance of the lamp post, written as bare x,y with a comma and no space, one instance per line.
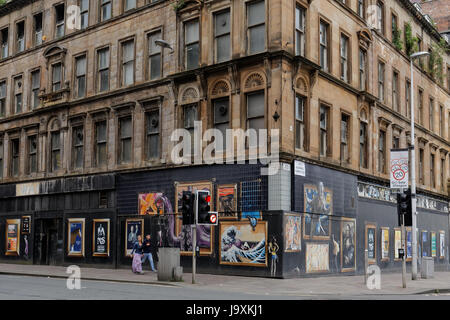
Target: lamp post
413,171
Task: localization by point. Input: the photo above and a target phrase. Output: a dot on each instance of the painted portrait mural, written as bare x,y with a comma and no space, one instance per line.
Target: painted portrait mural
133,229
348,244
227,201
292,232
317,257
243,245
318,207
76,237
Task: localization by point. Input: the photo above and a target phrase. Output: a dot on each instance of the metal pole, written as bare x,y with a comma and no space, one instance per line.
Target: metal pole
366,264
194,253
404,252
413,182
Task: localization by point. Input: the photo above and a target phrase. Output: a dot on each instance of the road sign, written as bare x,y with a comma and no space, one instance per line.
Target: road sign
213,218
399,168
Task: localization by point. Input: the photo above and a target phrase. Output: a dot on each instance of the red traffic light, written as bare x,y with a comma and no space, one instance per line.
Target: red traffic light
208,199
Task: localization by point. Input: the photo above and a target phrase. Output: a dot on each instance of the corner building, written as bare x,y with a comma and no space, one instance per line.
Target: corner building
88,109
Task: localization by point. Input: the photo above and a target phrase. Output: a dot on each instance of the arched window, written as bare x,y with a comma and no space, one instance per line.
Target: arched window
301,112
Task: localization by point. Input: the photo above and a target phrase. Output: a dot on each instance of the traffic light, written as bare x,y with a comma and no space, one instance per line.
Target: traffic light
404,207
187,203
203,208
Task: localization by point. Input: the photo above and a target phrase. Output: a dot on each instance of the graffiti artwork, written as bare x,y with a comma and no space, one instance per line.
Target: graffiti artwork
273,253
151,204
317,257
100,238
292,232
12,237
348,244
75,243
397,243
240,245
433,244
205,234
318,205
133,229
371,242
384,244
227,201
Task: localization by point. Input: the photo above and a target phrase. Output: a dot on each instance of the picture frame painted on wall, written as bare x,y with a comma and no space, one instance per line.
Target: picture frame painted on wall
425,243
251,214
442,244
317,257
371,242
26,225
292,232
384,243
205,233
397,243
100,237
241,245
134,227
408,244
150,203
348,244
12,233
227,201
318,208
75,237
433,244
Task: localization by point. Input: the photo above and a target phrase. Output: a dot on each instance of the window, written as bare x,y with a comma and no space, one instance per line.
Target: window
441,122
421,164
442,173
2,98
154,56
189,117
56,77
408,98
103,70
300,131
324,130
129,4
381,80
382,151
419,46
222,119
18,96
222,29
380,17
128,63
35,88
361,8
256,24
84,13
37,20
363,146
4,42
324,45
394,27
105,9
362,69
345,134
345,60
431,114
1,158
255,110
59,21
100,144
300,16
77,147
191,44
420,107
432,172
395,91
32,154
15,155
80,76
395,142
55,151
152,134
20,36
125,140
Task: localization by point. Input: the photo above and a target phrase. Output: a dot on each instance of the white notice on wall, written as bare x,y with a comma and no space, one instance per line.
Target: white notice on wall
299,168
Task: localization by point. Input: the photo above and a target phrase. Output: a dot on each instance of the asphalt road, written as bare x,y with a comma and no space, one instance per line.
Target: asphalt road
39,288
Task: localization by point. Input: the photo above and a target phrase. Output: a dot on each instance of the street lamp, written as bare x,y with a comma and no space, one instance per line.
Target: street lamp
413,171
164,44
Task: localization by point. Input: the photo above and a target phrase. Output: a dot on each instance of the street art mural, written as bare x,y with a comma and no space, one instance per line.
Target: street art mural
442,244
348,244
243,246
12,237
317,257
425,244
371,242
384,244
397,242
335,251
151,203
133,228
76,237
227,201
273,252
433,244
292,232
318,207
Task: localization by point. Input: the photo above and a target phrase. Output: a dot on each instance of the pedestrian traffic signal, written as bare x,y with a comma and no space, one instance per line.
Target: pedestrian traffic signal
203,208
187,208
404,207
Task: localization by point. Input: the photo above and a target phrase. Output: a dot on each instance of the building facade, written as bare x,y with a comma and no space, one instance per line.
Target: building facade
90,100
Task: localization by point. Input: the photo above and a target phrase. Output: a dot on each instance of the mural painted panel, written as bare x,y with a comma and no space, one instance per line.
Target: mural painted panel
397,243
317,257
243,245
408,244
371,242
433,244
151,204
75,235
318,205
348,244
292,232
425,244
12,237
133,229
205,234
100,237
384,244
442,244
227,201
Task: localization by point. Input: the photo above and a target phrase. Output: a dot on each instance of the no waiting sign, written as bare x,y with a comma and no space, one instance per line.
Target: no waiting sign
399,168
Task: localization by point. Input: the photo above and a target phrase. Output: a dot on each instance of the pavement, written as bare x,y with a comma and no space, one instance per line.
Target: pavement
391,283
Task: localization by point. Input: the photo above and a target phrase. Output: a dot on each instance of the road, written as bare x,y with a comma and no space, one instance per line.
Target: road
39,288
